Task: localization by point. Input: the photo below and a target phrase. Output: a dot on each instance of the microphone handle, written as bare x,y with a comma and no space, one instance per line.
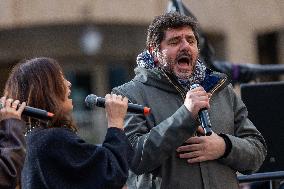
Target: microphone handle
37,113
134,108
205,121
100,102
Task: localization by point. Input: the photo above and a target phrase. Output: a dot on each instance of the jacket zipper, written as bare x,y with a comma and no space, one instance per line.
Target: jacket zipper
218,85
180,91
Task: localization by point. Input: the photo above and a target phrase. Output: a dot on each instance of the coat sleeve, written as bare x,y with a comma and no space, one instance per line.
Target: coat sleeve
12,156
152,145
248,145
68,161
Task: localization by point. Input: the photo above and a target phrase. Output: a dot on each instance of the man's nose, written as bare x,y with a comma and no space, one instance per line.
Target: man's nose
184,45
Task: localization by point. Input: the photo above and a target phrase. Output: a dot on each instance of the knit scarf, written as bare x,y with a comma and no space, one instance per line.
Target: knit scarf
146,60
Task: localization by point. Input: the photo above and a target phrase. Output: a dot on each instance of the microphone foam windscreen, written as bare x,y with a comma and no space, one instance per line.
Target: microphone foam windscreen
91,100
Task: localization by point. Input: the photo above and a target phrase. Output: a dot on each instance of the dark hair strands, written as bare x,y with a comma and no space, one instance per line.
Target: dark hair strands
156,30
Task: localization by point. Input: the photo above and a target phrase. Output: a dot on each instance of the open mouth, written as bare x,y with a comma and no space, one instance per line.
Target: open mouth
183,60
69,94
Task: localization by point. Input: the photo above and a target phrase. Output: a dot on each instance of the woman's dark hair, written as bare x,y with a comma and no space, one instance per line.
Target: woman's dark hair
40,83
160,24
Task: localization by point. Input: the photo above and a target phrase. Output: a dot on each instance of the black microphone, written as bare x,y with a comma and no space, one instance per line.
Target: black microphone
203,117
93,100
35,112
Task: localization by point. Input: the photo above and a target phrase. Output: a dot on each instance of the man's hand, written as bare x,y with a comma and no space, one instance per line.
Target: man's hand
202,148
116,108
197,99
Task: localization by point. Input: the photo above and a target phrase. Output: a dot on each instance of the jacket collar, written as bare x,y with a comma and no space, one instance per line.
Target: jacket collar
159,79
214,79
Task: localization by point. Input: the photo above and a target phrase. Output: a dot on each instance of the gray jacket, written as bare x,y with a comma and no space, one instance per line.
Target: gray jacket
155,137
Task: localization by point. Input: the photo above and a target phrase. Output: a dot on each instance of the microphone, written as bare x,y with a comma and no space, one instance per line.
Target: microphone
93,100
203,117
35,112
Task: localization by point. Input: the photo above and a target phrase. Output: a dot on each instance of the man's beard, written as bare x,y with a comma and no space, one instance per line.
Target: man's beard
167,64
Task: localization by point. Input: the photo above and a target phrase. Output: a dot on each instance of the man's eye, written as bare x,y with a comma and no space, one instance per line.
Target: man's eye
191,41
173,42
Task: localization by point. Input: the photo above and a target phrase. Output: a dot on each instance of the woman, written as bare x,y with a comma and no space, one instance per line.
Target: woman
12,142
56,157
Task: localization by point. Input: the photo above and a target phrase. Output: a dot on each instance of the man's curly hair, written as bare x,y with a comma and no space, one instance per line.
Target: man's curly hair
156,30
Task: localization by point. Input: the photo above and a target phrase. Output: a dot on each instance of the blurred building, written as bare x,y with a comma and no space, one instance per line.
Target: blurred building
97,41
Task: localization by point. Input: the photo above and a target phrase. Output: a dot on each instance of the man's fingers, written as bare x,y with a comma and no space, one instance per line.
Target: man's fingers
190,155
188,148
119,97
108,96
125,99
194,140
209,95
200,130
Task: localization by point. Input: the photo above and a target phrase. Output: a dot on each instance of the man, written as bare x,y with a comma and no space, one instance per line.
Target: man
12,142
171,151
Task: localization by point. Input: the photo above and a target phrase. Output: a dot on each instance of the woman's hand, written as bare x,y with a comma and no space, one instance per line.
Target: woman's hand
10,108
116,108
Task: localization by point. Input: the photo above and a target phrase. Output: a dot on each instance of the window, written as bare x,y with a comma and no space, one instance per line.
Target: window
268,52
